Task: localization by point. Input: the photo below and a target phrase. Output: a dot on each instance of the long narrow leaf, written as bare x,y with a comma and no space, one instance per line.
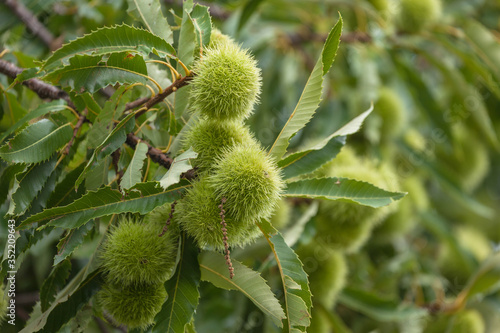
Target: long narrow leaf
183,292
133,174
250,283
294,281
150,14
36,143
120,38
90,73
342,189
311,96
143,198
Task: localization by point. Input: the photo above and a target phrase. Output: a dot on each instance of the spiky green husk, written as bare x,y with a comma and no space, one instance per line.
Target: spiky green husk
469,161
209,138
281,215
415,15
327,270
217,38
389,107
250,181
133,305
468,321
227,83
345,225
198,214
134,254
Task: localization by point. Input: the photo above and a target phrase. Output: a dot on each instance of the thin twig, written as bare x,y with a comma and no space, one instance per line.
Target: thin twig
78,126
115,159
224,238
35,26
169,219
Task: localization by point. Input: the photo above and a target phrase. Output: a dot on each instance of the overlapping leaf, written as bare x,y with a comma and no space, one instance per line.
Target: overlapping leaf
41,110
90,73
73,239
311,96
308,160
149,13
113,141
36,143
133,174
294,281
116,39
250,283
183,294
342,189
142,199
29,184
53,282
180,165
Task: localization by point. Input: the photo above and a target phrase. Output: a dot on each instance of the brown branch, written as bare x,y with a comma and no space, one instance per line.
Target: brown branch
115,159
169,219
35,26
43,90
158,156
81,120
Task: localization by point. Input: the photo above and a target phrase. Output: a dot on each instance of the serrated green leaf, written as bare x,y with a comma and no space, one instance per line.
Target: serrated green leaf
65,193
36,143
378,308
294,280
182,289
113,141
250,283
41,110
142,199
63,309
53,283
8,175
115,39
14,111
29,184
311,96
180,165
202,26
342,189
308,160
71,242
133,174
90,73
150,14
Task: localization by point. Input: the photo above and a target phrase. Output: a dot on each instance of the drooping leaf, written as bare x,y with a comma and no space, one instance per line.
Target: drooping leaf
133,174
98,175
114,140
379,308
180,165
65,308
142,199
102,123
182,289
65,193
294,281
29,184
342,189
106,40
36,143
71,242
311,96
53,283
42,109
90,73
149,13
250,283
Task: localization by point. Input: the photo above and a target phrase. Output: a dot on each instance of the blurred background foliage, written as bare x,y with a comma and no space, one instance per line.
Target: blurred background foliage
434,80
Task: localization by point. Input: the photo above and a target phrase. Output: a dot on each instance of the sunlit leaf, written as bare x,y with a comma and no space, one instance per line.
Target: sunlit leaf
180,165
150,14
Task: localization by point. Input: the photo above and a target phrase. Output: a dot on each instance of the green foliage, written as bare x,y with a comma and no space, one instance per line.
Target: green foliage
134,305
134,254
227,84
